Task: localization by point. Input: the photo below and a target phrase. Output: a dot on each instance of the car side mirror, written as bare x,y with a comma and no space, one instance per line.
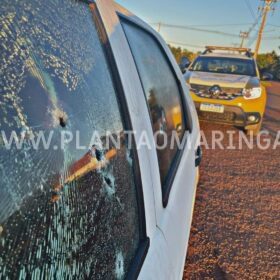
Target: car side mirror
267,76
184,64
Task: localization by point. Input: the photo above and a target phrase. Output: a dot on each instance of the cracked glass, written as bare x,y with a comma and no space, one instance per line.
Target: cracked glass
68,209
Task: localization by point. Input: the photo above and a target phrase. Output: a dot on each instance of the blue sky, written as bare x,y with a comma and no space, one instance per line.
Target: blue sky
218,15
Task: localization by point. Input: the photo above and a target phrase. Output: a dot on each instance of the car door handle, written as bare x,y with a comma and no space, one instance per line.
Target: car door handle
198,156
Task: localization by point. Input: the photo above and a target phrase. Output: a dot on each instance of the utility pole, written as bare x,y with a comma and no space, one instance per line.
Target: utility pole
243,36
267,8
159,27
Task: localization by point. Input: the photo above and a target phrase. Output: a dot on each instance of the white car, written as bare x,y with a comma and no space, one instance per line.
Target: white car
73,206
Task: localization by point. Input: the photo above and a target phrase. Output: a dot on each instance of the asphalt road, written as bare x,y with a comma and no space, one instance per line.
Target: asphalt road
236,226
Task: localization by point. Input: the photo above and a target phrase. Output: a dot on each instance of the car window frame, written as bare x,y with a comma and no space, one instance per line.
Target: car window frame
144,243
167,187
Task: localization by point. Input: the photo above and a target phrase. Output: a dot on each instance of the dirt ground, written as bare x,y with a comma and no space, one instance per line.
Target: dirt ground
236,226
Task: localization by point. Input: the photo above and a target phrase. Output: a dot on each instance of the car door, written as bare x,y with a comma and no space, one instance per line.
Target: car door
171,109
157,262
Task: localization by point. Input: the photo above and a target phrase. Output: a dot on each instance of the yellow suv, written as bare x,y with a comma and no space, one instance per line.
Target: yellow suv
225,86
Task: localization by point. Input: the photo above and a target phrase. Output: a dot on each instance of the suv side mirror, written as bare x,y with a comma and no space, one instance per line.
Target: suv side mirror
267,76
184,64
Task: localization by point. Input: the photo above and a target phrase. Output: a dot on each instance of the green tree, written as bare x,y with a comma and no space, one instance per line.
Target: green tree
267,60
270,62
178,53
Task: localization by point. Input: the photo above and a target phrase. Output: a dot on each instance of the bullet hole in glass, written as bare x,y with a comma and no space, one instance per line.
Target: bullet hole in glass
62,121
108,181
59,218
98,154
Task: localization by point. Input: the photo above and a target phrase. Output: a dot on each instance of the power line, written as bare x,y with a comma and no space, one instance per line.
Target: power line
212,25
186,45
243,36
250,9
195,27
271,30
254,38
267,6
272,38
199,29
278,26
255,24
274,5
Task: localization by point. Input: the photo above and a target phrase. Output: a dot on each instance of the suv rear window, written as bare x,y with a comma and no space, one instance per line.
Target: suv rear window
224,65
71,211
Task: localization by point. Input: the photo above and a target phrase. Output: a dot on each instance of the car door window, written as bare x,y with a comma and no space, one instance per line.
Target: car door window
68,209
163,97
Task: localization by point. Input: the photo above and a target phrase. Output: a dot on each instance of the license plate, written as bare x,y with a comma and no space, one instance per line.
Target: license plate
212,108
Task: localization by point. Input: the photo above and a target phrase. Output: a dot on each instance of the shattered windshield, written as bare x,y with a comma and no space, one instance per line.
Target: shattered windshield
68,205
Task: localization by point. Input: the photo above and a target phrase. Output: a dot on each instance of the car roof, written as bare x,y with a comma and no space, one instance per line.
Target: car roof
227,55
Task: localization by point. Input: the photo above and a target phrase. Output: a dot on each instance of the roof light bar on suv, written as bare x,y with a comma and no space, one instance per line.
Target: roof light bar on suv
210,49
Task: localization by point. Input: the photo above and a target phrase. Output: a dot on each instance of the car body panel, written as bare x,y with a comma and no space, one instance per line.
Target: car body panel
157,263
135,100
169,229
248,105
